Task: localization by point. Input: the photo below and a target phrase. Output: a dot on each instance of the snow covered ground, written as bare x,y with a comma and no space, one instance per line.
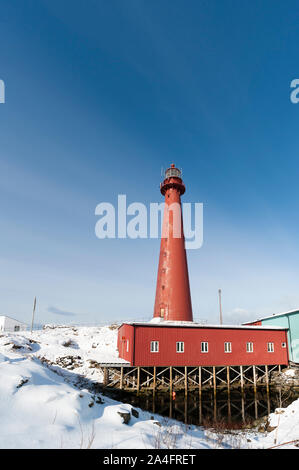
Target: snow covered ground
46,406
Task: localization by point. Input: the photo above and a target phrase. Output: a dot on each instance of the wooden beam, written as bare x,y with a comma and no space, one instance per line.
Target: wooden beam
138,379
242,379
267,379
170,381
228,380
214,379
155,380
121,382
106,376
254,378
199,383
186,381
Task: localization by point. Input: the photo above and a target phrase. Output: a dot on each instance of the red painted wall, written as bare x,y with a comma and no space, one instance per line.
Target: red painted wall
126,333
192,338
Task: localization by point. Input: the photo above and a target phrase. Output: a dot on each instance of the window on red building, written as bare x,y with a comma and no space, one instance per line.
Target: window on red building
180,347
228,347
204,347
270,347
249,347
154,346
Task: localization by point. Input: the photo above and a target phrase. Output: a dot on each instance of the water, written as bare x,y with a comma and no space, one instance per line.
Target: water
234,410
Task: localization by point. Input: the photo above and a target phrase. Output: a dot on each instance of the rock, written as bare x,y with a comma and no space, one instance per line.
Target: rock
126,416
157,423
135,413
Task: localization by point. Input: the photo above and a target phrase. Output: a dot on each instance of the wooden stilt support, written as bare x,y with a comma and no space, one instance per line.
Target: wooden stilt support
186,381
170,406
199,382
138,379
254,378
243,408
267,379
229,412
155,380
242,379
214,380
255,406
121,382
228,380
186,411
170,381
106,376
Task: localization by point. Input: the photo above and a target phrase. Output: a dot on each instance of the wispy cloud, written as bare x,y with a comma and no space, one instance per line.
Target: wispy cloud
58,311
238,315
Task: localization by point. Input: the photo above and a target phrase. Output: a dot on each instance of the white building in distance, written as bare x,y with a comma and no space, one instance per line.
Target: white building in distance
10,324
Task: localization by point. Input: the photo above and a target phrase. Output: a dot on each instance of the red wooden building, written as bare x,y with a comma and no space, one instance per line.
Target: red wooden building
192,344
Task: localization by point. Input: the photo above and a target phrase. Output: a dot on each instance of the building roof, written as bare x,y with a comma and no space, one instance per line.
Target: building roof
182,324
274,315
11,318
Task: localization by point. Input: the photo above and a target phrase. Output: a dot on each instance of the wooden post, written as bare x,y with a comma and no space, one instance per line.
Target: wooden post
170,382
138,380
267,379
186,381
199,382
155,379
186,411
121,383
214,379
106,376
254,378
242,379
228,380
243,408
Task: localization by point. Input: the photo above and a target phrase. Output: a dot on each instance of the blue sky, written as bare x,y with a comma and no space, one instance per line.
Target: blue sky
99,96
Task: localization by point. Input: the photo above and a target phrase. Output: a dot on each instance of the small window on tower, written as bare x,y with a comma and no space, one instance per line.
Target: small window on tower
228,347
204,347
162,310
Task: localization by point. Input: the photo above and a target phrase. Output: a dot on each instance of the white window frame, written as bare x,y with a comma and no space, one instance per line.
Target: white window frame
154,346
228,347
180,346
270,347
249,347
204,347
127,345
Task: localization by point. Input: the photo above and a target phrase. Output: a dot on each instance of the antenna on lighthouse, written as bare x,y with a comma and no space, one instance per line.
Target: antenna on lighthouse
220,306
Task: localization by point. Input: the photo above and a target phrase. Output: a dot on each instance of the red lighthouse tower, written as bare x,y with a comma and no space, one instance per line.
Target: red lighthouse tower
173,299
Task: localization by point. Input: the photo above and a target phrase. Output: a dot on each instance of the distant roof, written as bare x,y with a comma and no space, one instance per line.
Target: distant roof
18,321
290,312
200,325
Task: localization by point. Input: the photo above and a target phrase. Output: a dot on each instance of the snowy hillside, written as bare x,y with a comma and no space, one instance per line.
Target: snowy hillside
44,401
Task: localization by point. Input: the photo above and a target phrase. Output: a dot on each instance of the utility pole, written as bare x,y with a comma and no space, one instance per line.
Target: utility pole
220,306
33,311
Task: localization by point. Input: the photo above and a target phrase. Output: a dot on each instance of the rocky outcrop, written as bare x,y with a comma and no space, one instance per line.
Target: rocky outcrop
286,378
